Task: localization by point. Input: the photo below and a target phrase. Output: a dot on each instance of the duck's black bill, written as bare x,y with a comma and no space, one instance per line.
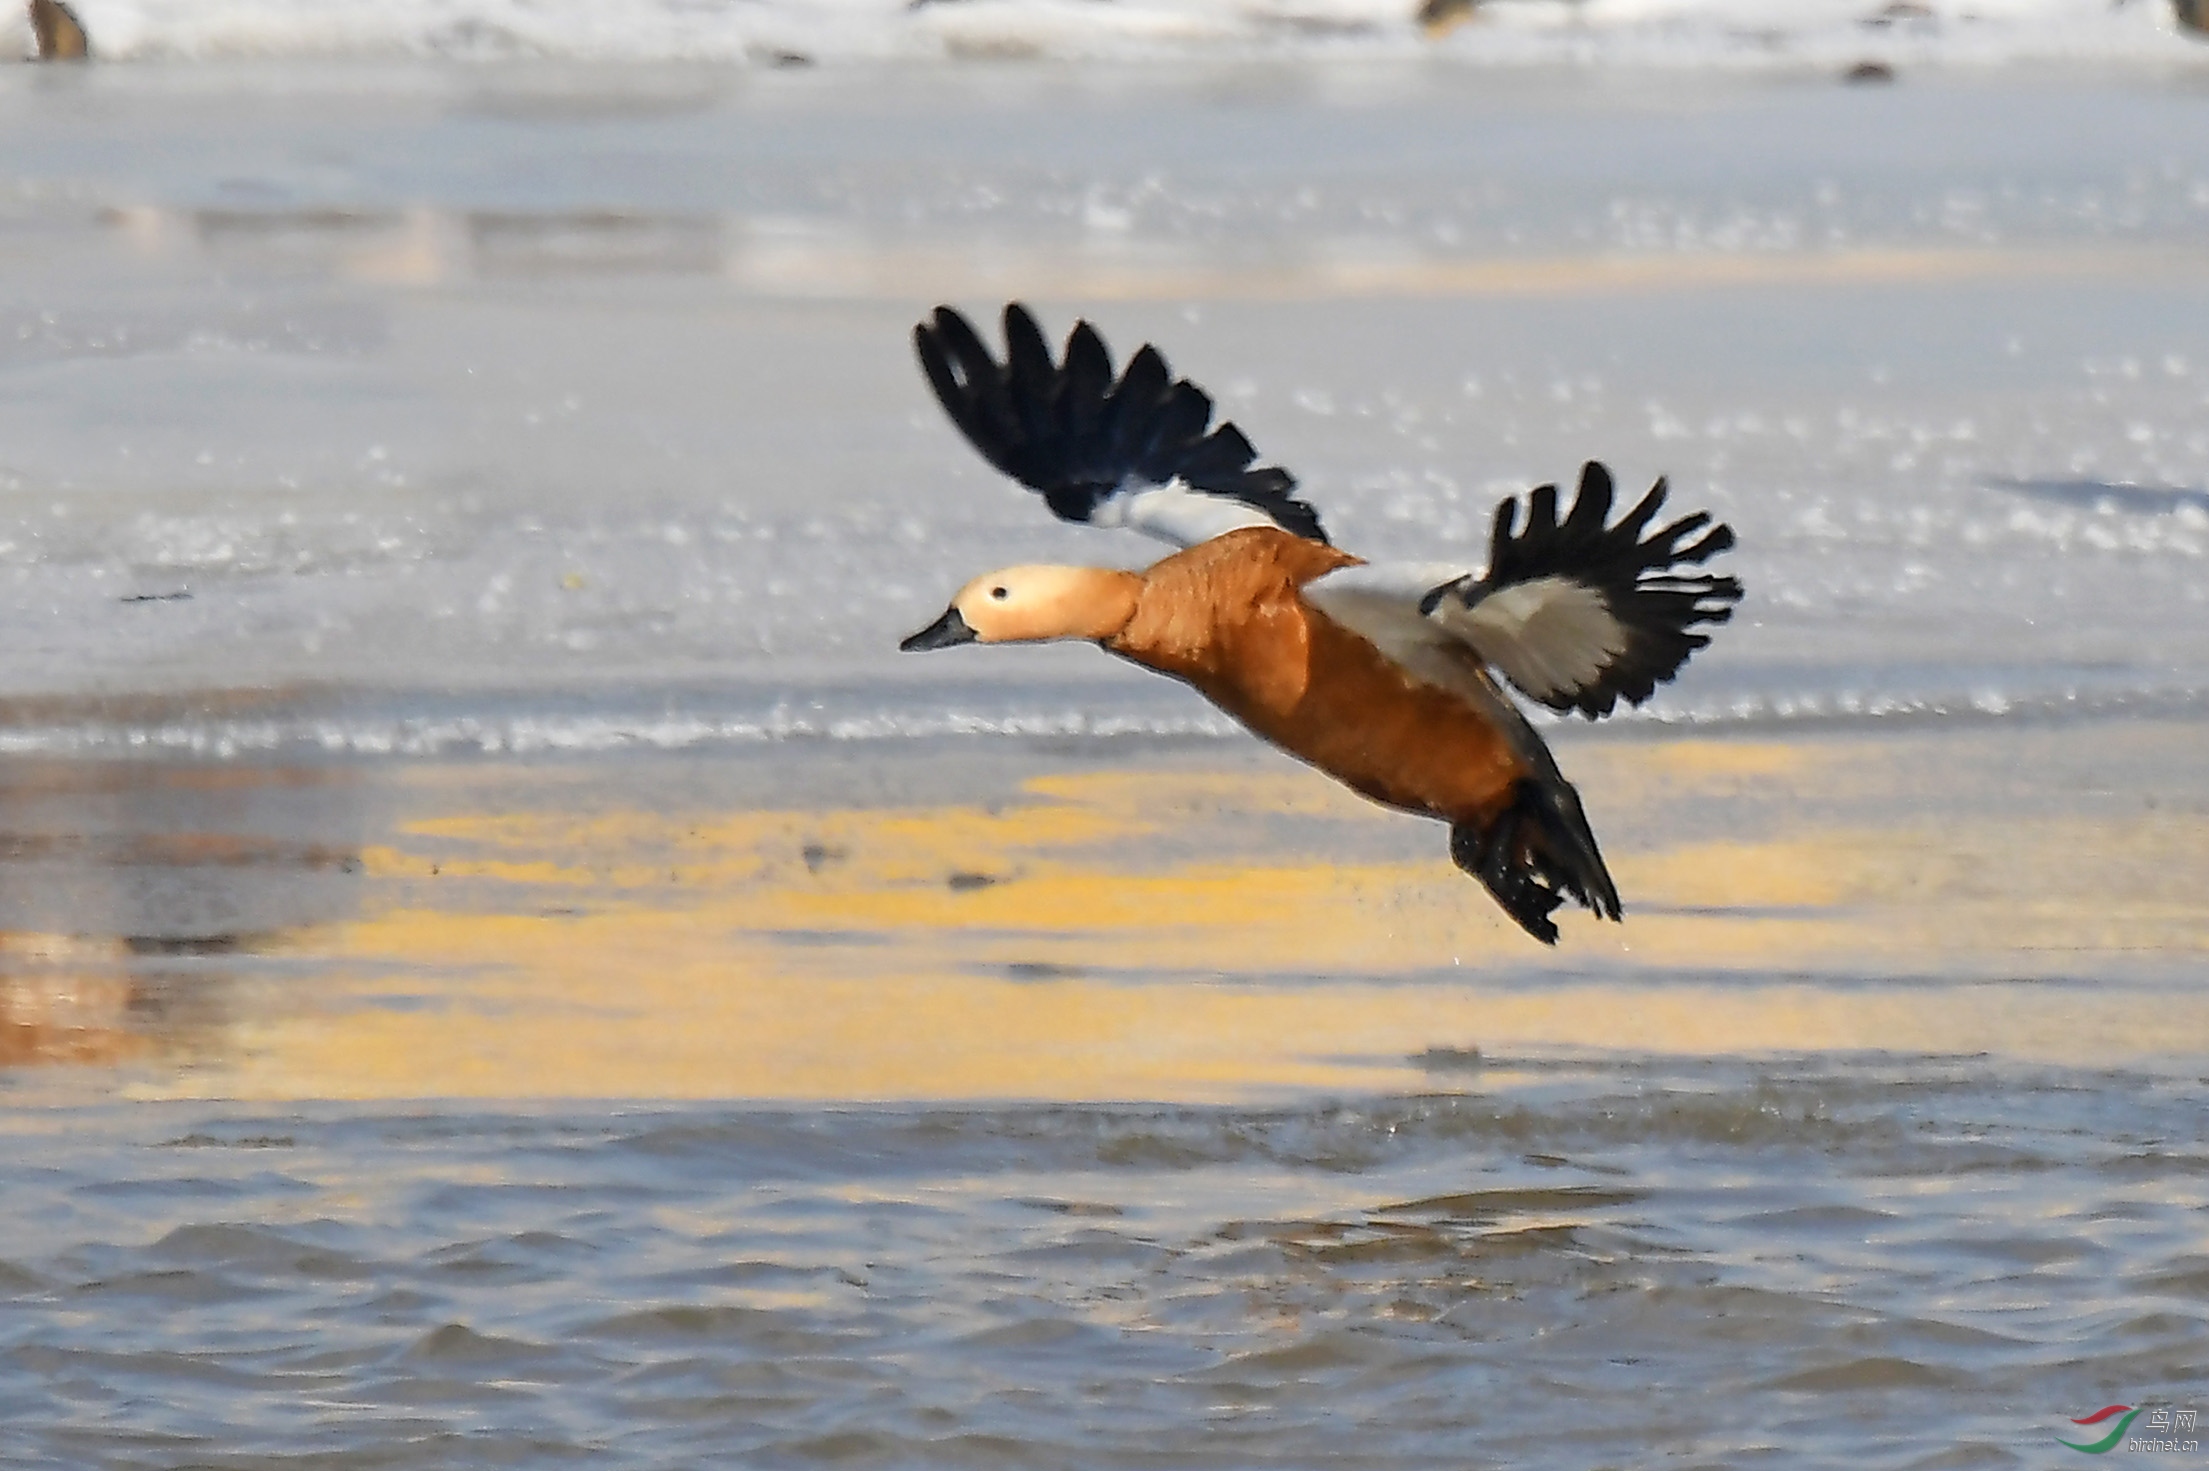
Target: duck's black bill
951,628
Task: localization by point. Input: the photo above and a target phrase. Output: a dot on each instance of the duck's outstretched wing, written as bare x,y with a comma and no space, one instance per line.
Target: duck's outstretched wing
1575,613
1580,614
1138,450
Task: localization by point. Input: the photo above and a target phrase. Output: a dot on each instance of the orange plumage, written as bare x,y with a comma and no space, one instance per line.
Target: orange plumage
1226,616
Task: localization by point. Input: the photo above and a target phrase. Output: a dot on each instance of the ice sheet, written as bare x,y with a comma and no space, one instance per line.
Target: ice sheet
531,407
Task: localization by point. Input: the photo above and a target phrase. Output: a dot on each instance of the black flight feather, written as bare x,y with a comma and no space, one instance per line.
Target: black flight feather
1073,432
1657,606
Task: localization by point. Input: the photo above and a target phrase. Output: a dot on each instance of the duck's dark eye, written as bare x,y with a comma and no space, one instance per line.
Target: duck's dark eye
999,593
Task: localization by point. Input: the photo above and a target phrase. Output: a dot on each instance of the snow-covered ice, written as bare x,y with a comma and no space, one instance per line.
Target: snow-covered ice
1742,34
419,406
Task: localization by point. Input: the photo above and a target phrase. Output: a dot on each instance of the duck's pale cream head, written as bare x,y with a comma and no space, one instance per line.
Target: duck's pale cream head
1034,605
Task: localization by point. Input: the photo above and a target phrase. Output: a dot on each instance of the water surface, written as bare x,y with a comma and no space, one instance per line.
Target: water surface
1080,1106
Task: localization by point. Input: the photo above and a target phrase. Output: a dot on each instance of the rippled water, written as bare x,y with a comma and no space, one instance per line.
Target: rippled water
344,1126
1886,1261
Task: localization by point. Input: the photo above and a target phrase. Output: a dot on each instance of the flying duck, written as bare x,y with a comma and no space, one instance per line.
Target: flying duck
1382,675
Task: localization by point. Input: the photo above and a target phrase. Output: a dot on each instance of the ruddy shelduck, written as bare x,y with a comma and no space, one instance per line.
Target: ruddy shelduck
1381,675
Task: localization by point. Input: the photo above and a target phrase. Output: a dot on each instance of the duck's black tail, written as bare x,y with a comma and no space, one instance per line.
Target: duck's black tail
1534,854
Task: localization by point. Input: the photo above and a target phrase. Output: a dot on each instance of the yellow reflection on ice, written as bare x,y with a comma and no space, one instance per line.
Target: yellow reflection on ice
1193,935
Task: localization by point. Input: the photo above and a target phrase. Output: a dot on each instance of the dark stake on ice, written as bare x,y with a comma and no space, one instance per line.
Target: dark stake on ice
2191,15
60,35
1440,17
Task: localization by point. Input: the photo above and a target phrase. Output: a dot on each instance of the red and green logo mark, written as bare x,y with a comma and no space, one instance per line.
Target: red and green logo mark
2108,1442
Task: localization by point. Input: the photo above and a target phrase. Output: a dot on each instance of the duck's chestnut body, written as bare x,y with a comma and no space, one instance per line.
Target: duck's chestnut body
1228,617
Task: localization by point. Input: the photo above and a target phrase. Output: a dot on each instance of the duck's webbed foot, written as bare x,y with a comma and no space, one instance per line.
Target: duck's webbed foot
1534,855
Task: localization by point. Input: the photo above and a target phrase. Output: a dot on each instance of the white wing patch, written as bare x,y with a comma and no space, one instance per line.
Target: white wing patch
1379,602
1549,636
1175,514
